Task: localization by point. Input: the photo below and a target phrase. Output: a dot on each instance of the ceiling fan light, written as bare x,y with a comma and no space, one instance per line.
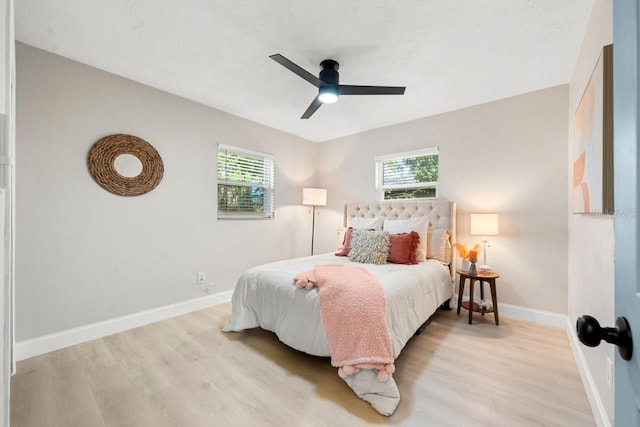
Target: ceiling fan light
328,95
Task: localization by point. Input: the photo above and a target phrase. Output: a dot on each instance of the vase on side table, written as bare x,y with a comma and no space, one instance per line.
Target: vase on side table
465,264
473,269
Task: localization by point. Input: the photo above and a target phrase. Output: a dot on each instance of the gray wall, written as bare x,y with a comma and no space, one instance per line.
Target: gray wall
86,255
591,238
508,157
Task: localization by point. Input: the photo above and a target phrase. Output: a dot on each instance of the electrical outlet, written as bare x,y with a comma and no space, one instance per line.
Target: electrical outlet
610,372
201,277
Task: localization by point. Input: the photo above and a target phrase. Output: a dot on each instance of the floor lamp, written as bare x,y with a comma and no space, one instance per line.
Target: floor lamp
314,197
485,225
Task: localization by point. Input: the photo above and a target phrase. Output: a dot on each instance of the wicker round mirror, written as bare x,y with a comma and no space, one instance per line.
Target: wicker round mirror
102,165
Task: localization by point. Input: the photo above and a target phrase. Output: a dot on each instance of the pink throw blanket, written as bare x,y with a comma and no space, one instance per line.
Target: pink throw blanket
353,308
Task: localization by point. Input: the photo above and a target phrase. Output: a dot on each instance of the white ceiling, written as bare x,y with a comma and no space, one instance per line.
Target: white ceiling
449,54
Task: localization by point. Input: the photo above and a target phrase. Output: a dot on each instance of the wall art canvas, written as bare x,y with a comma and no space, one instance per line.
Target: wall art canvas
592,190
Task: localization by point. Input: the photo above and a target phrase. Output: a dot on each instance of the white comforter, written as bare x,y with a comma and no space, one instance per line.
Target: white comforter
266,297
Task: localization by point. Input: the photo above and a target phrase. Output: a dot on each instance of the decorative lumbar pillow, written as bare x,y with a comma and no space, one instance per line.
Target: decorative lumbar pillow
371,247
438,245
346,243
403,248
419,224
366,223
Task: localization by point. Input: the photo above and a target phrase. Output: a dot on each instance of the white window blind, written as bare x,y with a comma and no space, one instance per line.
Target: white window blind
409,175
246,184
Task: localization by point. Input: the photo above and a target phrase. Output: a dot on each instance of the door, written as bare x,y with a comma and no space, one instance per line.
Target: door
627,203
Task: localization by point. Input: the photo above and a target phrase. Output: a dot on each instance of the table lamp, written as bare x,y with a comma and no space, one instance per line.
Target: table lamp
485,225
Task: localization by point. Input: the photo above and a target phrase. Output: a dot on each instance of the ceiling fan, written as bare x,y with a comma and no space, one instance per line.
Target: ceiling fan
328,85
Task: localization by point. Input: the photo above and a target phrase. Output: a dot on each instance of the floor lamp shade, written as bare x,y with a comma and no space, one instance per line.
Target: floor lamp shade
314,196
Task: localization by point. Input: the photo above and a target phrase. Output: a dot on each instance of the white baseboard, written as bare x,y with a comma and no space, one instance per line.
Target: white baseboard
533,315
36,346
597,407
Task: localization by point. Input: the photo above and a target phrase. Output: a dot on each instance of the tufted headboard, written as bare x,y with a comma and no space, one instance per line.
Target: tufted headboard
441,214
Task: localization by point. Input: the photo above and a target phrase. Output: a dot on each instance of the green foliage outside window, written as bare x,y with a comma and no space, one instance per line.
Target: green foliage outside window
409,177
421,193
245,185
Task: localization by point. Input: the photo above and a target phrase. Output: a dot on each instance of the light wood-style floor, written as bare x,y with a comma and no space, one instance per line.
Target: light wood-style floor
185,372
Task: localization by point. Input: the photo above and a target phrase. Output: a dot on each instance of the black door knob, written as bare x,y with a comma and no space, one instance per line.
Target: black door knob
591,333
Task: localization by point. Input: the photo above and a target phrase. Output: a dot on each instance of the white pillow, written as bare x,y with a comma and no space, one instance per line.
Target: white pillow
366,223
438,245
419,224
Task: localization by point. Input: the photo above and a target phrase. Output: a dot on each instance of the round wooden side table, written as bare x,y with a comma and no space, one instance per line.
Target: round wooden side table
488,277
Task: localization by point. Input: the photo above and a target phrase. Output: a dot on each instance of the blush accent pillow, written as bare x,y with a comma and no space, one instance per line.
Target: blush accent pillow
403,248
419,224
346,243
439,245
366,223
370,247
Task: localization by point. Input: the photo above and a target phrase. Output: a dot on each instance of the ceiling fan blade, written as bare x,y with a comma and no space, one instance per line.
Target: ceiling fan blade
315,104
296,69
371,90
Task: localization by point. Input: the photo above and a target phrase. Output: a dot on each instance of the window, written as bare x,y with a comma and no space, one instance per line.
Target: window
245,184
410,175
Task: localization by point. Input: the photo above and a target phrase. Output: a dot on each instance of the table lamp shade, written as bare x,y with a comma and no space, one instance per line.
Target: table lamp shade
314,196
485,224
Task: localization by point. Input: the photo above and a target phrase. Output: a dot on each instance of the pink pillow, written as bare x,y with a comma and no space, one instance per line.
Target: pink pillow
346,244
404,247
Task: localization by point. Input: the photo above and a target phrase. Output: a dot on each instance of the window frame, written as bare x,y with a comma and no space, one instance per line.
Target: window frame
268,184
380,187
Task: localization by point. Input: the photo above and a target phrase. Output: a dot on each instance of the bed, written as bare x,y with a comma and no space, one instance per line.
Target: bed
266,297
